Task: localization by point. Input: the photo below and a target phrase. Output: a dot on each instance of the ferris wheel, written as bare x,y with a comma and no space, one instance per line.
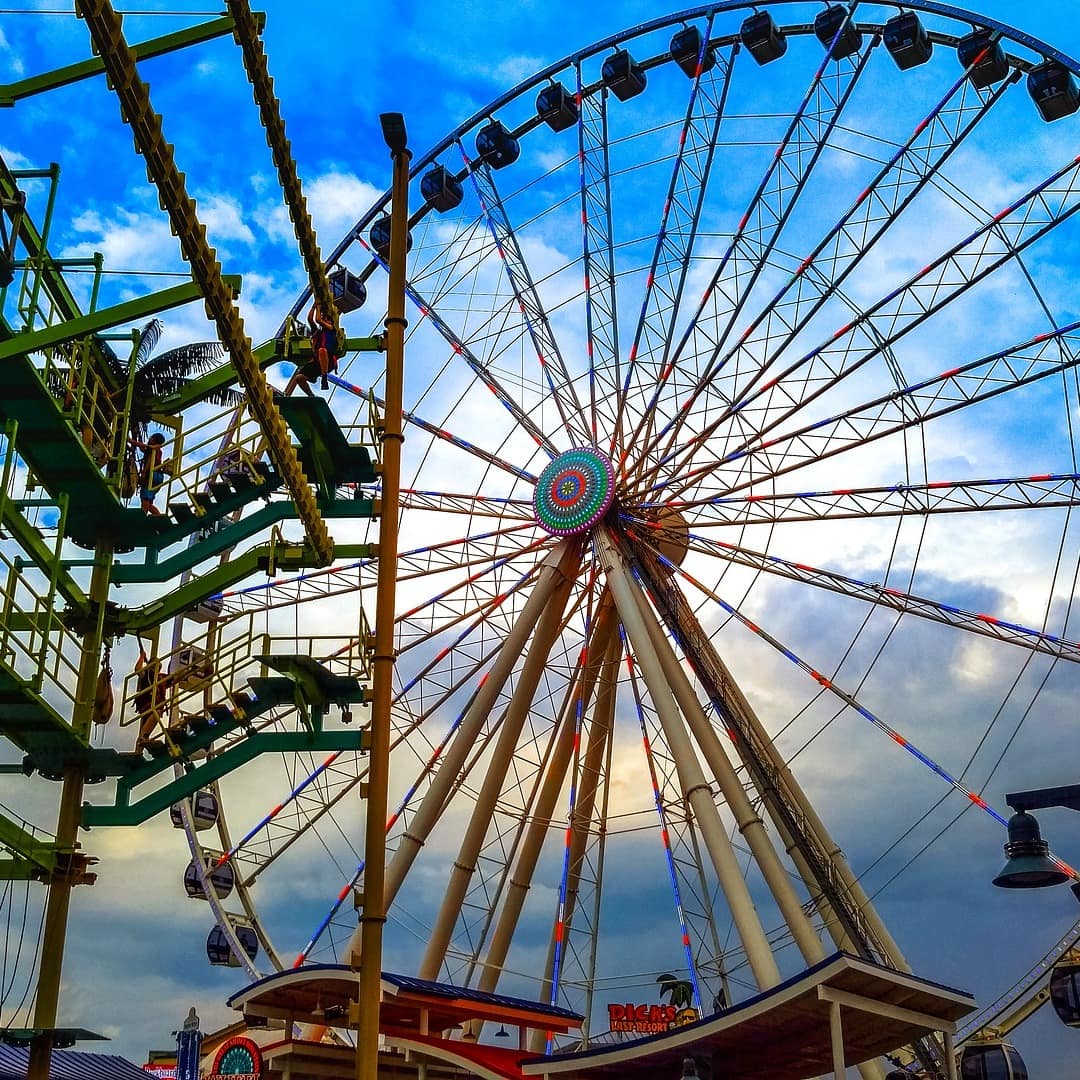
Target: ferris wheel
737,521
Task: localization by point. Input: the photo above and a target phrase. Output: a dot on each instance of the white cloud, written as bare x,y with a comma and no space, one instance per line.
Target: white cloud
223,217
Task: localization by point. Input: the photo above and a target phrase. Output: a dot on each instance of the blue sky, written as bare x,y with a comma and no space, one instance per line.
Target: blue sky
336,67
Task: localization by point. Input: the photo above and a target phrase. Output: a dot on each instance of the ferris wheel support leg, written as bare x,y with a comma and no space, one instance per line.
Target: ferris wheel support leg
529,855
691,775
797,796
746,817
499,768
950,1055
559,564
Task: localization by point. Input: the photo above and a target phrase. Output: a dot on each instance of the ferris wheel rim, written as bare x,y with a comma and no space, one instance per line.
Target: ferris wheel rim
623,37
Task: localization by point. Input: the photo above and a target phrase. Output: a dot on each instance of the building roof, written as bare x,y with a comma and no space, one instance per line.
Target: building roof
783,1032
70,1065
321,993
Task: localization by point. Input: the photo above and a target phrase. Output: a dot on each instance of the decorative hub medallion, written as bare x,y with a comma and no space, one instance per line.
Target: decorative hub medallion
574,492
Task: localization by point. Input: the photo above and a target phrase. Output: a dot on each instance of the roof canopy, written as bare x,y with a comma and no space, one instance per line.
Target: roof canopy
784,1033
321,994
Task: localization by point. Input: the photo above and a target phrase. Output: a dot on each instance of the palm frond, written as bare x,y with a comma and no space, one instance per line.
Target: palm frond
226,395
149,336
171,369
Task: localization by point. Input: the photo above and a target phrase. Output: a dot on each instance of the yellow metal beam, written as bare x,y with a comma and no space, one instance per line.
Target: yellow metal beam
246,31
108,38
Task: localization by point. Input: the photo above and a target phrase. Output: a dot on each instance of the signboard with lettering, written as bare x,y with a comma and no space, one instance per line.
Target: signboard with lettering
648,1019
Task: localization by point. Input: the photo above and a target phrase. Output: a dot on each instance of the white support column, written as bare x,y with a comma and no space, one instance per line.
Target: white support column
950,1055
695,787
746,817
498,769
836,1033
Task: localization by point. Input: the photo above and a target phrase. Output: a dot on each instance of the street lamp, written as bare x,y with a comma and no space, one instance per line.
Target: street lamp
1028,864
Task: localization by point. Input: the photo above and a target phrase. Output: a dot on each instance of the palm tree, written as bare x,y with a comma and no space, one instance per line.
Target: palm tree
681,991
166,373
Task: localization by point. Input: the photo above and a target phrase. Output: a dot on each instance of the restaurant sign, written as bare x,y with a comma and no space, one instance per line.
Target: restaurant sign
648,1019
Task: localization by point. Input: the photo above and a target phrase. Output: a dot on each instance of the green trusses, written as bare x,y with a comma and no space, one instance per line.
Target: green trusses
33,725
220,542
106,318
307,685
324,451
219,765
33,859
271,558
86,69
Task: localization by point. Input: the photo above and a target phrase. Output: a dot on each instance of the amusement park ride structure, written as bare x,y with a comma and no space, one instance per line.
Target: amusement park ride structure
587,595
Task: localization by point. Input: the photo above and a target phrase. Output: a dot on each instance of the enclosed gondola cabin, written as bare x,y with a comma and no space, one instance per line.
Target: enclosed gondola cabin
441,189
984,55
219,952
686,49
623,75
221,879
350,293
556,106
1065,990
496,145
1053,89
907,41
762,37
380,237
203,809
833,27
992,1059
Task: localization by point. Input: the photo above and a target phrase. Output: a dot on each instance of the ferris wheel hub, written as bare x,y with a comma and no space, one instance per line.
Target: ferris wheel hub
574,492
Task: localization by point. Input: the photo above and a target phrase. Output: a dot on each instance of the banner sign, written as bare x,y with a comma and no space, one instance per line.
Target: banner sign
648,1019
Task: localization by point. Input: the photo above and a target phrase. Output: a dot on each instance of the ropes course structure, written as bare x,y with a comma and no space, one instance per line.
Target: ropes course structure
738,536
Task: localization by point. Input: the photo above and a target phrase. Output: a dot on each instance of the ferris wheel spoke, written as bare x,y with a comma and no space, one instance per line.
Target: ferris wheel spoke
476,549
329,794
846,910
648,362
849,700
992,246
575,423
750,249
482,371
959,388
893,500
598,257
1011,633
440,433
818,277
493,798
472,505
440,615
298,589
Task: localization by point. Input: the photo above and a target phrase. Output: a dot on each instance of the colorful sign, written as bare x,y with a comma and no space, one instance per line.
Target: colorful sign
648,1019
237,1059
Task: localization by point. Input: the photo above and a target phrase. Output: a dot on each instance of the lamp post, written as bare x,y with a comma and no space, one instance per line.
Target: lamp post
1028,863
373,915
